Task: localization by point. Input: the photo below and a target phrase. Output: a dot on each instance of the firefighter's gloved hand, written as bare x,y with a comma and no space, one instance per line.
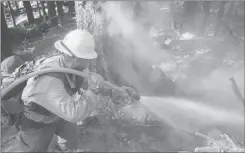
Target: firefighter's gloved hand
105,88
94,82
121,93
131,92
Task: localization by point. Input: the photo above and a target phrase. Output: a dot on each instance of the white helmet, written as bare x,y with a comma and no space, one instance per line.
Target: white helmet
79,43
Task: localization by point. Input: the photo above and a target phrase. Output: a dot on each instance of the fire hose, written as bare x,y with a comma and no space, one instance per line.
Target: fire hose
5,90
14,84
85,75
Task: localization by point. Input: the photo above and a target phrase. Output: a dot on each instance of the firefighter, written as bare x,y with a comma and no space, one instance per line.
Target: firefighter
51,105
8,66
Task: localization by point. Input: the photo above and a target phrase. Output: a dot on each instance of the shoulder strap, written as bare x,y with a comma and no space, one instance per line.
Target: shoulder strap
64,78
59,76
12,105
71,84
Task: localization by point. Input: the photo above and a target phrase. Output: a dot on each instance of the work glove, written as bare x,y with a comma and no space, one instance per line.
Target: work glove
125,96
131,92
95,82
119,95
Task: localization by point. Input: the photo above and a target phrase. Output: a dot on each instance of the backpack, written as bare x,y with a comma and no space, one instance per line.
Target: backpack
12,105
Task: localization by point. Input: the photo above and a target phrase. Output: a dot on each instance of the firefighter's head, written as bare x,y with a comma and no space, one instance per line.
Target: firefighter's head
78,45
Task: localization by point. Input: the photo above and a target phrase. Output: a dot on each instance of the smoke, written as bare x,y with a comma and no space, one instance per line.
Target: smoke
124,23
216,88
217,107
131,40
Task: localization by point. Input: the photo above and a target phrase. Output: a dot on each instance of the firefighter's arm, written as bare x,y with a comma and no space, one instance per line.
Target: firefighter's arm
73,109
105,88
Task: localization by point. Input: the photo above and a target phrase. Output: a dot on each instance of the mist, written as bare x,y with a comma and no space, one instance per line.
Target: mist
217,107
131,40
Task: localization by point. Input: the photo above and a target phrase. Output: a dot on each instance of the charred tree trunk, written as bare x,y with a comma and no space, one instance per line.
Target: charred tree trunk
6,49
219,17
52,13
17,6
172,13
29,12
89,17
204,18
190,12
12,13
60,10
231,8
71,6
138,9
39,10
237,4
190,7
43,9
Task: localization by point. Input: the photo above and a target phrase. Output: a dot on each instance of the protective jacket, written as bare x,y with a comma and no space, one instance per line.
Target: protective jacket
49,97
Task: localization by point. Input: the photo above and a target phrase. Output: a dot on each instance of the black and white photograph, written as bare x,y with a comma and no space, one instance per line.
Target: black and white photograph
122,76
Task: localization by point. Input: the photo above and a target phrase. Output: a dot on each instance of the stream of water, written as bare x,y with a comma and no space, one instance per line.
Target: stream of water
196,117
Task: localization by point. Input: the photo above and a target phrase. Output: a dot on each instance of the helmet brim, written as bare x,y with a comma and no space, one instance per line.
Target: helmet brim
61,48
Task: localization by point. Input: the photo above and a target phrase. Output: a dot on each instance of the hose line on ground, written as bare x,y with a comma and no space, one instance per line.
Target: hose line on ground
14,84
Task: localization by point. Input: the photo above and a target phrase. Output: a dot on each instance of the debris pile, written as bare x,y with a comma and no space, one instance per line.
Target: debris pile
222,143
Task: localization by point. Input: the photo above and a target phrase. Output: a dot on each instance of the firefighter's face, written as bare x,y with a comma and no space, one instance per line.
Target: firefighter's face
76,63
80,64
